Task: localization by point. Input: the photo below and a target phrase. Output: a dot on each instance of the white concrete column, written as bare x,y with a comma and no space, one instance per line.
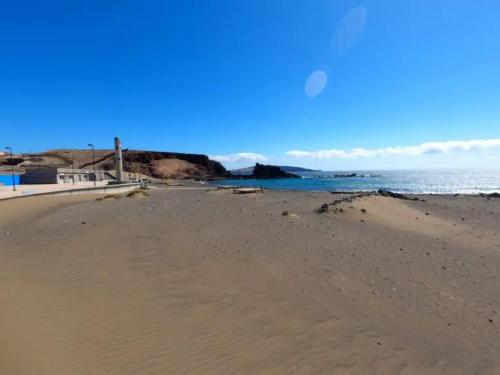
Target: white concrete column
118,159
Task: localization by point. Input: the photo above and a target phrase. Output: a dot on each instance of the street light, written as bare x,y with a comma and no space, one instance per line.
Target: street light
73,169
93,161
12,168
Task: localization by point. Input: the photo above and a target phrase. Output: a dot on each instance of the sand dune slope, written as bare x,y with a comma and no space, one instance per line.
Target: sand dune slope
207,282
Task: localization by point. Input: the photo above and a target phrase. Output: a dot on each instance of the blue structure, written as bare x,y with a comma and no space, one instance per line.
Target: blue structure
6,179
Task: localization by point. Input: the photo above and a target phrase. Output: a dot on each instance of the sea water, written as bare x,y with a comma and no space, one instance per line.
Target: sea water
407,181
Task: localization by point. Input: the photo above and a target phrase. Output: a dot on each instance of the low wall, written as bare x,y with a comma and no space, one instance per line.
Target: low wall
107,189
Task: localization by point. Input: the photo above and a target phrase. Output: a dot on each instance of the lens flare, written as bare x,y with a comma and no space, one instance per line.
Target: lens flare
315,84
349,29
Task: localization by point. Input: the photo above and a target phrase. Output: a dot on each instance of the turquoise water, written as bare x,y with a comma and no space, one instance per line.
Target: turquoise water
7,179
415,181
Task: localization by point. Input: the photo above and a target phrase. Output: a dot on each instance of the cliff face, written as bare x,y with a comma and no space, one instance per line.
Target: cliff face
151,163
172,165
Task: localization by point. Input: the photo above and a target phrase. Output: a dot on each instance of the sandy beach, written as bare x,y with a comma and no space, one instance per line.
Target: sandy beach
198,281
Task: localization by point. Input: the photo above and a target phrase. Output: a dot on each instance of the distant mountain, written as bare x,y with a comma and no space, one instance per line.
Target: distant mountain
285,168
242,171
291,169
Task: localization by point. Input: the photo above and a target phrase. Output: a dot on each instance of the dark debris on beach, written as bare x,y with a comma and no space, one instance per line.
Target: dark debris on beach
353,196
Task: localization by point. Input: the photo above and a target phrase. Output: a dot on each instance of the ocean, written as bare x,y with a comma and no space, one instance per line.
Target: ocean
407,181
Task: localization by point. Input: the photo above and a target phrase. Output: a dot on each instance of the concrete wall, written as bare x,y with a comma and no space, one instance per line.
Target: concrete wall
40,176
107,189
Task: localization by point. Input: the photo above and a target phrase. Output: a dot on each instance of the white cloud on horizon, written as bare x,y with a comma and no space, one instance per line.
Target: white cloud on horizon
422,149
239,157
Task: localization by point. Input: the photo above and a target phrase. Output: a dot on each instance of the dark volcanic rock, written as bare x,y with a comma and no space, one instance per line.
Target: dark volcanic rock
351,175
7,160
491,195
270,171
388,193
262,171
324,208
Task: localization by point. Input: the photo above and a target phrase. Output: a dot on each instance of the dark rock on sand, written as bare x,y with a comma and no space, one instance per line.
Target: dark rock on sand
390,194
324,208
336,202
491,195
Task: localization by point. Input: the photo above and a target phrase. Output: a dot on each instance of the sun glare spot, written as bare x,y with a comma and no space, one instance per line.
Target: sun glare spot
349,29
315,84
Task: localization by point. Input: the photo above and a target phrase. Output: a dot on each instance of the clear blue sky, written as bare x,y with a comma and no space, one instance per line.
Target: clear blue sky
260,77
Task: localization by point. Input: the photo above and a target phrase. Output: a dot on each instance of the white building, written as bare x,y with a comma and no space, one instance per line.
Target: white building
53,175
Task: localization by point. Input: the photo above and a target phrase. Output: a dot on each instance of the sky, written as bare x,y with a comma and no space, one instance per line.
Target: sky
338,84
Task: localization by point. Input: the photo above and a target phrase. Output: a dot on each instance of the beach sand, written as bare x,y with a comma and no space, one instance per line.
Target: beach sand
209,282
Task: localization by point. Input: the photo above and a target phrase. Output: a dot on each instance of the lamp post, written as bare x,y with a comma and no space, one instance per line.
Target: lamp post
12,168
93,162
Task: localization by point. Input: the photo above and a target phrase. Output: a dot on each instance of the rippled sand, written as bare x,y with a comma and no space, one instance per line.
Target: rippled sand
207,282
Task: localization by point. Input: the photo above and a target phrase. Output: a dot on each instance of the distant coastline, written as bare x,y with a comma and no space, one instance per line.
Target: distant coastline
409,181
